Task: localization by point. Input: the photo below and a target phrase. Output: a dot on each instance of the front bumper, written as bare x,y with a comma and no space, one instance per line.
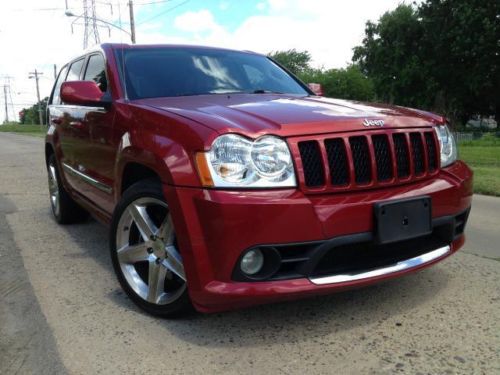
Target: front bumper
214,227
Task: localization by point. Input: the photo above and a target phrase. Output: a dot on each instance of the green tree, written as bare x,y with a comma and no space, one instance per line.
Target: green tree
391,55
349,83
462,38
442,55
295,61
30,115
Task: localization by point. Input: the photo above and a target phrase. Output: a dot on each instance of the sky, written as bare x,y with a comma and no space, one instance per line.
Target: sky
36,34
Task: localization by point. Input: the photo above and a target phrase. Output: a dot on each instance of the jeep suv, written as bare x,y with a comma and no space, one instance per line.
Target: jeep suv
227,183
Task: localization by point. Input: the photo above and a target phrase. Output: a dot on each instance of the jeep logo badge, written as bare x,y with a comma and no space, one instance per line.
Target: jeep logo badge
368,122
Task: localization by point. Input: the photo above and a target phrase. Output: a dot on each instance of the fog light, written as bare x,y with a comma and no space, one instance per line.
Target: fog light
252,262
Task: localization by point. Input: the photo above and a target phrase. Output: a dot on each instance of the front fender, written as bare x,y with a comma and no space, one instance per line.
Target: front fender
165,143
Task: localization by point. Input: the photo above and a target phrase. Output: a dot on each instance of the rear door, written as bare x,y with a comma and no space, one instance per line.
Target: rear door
63,117
75,134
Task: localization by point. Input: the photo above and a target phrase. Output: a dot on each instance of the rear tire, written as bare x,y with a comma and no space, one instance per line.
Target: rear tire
145,253
64,208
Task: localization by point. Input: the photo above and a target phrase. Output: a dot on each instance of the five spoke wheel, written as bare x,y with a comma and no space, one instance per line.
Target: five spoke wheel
53,188
147,251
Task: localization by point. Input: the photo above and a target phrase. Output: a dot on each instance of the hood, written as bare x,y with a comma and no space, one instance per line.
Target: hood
257,114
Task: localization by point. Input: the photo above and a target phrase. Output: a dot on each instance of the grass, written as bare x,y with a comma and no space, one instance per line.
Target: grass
483,156
33,130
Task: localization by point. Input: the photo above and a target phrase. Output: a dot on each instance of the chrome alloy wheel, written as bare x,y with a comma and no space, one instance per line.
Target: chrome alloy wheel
147,251
54,189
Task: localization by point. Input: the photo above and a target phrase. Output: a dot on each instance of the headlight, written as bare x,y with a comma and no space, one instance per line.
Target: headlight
236,161
447,145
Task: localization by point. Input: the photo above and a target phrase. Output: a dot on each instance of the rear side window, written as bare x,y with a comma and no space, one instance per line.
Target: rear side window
56,96
74,71
96,71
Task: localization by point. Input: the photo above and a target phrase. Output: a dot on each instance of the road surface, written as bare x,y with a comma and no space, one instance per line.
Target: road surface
62,310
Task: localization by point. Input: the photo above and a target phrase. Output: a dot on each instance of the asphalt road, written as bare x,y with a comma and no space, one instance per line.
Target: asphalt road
62,310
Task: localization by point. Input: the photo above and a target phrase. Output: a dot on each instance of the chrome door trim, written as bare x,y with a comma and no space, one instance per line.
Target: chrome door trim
397,267
99,185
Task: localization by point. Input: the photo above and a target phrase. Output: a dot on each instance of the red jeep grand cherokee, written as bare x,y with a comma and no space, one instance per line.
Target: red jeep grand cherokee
227,183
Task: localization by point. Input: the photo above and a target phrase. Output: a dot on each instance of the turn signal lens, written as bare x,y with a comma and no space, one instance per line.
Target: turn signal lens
203,170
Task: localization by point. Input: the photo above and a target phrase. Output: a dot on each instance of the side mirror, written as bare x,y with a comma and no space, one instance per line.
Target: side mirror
82,93
316,88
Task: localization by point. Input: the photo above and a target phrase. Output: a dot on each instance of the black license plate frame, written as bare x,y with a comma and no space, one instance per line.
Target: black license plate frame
402,219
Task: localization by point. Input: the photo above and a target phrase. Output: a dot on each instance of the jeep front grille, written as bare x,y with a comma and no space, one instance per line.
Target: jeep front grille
365,160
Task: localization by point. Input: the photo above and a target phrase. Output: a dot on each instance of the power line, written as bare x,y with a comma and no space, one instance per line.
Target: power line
154,2
164,12
110,3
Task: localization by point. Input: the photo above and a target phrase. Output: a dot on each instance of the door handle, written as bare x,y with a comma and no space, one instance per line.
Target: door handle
77,125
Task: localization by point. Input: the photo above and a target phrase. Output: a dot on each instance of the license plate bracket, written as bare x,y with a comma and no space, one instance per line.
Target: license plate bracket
402,219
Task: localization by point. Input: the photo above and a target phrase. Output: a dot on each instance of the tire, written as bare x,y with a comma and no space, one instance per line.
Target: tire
145,254
64,208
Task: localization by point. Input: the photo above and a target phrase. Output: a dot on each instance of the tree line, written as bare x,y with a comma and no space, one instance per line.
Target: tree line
30,115
442,55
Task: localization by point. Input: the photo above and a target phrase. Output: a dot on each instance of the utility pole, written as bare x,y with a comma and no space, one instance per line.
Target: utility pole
55,71
6,108
132,22
35,75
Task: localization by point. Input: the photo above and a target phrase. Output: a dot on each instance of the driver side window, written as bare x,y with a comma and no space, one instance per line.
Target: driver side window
56,96
96,71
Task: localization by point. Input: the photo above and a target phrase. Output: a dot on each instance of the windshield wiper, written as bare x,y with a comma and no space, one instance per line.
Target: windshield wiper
262,91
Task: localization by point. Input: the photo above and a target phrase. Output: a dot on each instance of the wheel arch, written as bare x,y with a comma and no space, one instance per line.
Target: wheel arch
154,156
133,172
49,151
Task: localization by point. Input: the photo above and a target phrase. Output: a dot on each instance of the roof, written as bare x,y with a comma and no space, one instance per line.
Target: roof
190,46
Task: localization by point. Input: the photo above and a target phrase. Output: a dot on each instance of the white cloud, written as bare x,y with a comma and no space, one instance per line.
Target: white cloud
261,6
327,29
36,35
34,38
196,22
278,4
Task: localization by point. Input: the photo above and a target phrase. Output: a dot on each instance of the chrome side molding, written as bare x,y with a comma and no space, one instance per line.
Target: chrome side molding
399,266
87,179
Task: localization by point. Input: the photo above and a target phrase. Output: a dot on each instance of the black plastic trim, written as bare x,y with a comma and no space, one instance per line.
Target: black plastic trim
446,228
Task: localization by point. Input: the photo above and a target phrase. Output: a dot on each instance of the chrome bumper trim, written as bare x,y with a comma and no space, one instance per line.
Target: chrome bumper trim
99,185
399,266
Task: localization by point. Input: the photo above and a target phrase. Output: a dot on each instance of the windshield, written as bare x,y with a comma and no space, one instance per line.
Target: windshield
171,71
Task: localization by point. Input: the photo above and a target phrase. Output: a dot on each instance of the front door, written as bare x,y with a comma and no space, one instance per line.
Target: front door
96,154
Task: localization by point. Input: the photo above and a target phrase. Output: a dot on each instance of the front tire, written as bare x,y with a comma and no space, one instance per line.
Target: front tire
145,253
